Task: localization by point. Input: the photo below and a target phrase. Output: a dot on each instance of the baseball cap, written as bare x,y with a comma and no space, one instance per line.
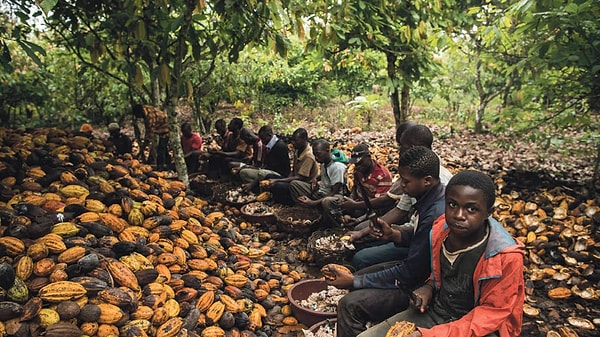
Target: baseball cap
358,152
113,126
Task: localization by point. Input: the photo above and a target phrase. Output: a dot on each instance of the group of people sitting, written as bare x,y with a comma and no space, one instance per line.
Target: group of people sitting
428,250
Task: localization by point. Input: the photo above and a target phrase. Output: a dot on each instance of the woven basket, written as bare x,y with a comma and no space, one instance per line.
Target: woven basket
220,194
326,247
297,219
202,185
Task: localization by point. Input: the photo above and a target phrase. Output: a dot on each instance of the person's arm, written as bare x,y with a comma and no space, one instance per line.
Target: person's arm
501,303
413,269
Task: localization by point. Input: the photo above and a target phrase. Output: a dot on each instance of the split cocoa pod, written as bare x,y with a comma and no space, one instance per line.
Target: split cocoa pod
401,329
328,272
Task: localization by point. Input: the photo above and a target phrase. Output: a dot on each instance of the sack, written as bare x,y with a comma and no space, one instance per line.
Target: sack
339,156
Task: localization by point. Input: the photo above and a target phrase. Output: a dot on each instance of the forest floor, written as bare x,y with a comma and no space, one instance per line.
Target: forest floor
544,199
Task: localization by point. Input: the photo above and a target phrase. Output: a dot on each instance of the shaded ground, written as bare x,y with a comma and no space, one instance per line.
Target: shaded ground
544,200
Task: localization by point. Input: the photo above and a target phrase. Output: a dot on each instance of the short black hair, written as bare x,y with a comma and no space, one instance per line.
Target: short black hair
236,122
324,143
403,127
477,180
418,135
300,132
421,162
266,129
220,123
186,126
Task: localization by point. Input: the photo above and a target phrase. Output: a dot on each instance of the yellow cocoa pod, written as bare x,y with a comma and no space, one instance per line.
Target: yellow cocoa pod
71,255
205,301
213,331
123,275
89,217
401,329
48,317
236,280
61,291
94,205
215,311
109,313
68,178
170,328
230,304
74,191
264,196
14,246
135,217
24,267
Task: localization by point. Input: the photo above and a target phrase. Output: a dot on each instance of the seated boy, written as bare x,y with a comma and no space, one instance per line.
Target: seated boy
276,163
381,294
304,168
327,193
476,287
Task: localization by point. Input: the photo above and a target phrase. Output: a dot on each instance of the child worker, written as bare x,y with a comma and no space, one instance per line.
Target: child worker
476,287
379,292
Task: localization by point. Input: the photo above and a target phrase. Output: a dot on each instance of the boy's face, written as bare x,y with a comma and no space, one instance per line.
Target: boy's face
413,186
466,212
322,154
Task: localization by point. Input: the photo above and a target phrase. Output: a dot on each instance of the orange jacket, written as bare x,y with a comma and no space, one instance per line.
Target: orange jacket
498,281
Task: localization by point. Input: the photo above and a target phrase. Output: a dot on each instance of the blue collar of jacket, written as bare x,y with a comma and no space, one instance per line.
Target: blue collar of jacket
434,194
498,240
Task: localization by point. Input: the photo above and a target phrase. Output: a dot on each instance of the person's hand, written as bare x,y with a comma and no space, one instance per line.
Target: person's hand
248,187
348,203
381,230
305,200
314,184
343,279
421,297
356,236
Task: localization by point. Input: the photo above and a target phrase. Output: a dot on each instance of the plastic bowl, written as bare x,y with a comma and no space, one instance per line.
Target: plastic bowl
301,291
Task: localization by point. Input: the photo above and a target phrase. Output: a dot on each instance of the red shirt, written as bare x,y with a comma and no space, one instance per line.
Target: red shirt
193,143
378,182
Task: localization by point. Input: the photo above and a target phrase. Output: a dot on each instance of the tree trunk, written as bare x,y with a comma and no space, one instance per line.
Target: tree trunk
404,103
394,97
173,92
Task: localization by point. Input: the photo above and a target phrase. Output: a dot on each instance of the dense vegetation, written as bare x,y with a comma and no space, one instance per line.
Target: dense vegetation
524,67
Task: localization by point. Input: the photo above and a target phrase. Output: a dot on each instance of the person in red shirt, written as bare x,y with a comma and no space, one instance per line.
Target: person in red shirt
374,177
192,146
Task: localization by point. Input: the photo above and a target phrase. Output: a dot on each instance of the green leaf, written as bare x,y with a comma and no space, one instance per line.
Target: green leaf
47,5
29,51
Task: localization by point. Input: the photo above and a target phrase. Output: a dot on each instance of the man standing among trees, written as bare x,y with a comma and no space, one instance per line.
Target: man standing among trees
156,134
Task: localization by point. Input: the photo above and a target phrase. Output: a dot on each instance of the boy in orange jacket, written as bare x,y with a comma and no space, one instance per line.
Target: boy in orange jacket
476,287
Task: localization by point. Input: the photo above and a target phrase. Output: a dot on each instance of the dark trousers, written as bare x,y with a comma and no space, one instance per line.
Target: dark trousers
368,305
281,193
163,160
192,162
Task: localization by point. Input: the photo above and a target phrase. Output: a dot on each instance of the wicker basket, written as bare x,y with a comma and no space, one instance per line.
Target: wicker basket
326,247
220,192
202,185
297,219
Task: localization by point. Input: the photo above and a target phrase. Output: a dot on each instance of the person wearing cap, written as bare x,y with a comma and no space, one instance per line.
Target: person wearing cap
373,252
118,142
374,177
191,143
